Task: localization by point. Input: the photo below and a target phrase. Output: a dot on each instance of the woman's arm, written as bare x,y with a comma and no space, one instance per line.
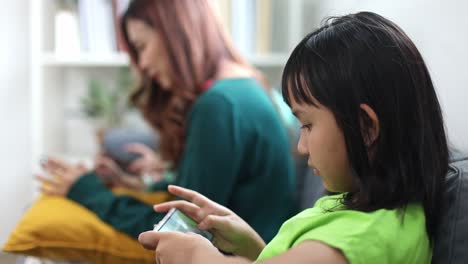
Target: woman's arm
130,182
122,212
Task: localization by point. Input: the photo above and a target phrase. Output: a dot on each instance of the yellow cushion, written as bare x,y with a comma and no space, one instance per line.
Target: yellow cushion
60,229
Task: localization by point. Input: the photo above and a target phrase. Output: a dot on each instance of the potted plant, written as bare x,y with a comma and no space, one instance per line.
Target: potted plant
107,106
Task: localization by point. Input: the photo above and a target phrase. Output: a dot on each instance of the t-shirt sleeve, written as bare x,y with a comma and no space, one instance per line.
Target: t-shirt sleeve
213,151
349,233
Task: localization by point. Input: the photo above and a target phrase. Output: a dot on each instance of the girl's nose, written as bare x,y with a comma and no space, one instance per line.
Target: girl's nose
301,146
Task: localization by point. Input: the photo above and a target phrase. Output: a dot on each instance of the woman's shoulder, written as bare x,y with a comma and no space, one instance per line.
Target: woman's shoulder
235,86
235,92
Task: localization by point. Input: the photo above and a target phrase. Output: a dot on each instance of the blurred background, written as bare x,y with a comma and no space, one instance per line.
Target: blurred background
64,77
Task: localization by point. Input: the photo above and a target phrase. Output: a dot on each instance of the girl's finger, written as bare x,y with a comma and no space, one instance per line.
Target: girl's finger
187,208
190,195
216,222
149,240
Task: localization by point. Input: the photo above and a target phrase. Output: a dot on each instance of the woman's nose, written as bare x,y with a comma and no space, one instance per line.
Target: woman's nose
143,65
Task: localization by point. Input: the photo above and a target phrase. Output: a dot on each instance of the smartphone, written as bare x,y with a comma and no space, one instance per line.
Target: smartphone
177,221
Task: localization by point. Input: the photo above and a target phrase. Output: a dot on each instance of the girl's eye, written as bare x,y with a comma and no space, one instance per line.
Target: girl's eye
307,127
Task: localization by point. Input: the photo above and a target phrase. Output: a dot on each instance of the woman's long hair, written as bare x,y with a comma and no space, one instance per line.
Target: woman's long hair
196,42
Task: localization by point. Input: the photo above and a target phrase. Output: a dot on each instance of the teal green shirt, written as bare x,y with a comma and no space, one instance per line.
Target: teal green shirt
382,236
236,153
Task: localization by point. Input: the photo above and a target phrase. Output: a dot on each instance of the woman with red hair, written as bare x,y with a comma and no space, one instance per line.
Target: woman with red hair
217,124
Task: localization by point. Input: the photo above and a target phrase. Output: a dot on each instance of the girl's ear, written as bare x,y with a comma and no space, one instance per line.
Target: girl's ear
370,126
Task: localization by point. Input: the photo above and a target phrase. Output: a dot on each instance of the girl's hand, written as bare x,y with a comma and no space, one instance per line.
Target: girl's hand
176,247
64,176
148,162
231,233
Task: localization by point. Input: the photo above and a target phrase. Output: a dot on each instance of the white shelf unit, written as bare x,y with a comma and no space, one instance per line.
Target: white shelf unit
121,60
85,60
57,81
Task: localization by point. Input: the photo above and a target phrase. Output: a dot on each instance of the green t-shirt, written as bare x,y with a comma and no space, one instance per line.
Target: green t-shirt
382,236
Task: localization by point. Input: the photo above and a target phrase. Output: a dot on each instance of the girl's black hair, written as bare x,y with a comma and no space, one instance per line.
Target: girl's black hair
364,58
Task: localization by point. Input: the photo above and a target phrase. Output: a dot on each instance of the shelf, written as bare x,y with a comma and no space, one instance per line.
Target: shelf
87,160
268,60
86,60
121,60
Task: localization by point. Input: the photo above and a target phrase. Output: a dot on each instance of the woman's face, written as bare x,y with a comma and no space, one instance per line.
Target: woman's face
322,141
152,57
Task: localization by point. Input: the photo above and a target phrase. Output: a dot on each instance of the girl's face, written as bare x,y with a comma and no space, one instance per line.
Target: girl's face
151,52
322,141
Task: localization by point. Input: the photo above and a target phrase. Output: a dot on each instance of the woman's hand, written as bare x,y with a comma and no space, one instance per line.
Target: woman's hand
113,176
107,170
231,233
176,247
63,177
148,162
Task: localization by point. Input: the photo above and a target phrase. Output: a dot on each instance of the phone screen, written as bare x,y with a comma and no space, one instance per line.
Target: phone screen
175,220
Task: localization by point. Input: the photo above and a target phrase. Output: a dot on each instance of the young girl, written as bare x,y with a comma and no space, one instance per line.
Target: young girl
217,124
372,129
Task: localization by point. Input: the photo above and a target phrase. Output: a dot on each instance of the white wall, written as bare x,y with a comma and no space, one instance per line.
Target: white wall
15,178
439,29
